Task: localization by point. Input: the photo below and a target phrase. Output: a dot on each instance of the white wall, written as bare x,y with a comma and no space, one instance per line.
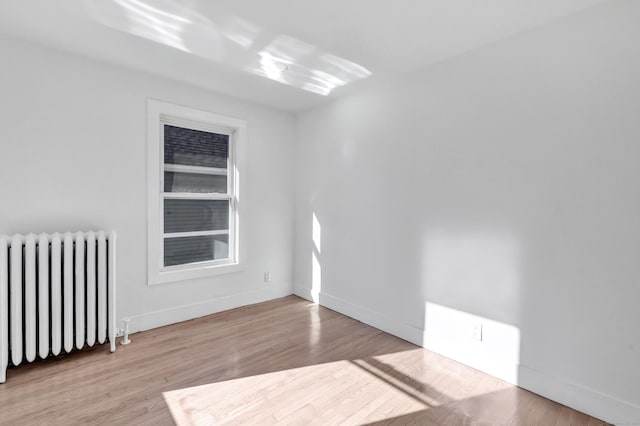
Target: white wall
74,158
499,188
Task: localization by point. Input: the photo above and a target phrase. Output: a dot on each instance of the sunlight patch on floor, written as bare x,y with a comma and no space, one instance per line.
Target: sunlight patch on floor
348,392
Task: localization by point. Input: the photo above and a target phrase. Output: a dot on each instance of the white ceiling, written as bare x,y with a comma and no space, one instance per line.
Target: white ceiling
239,47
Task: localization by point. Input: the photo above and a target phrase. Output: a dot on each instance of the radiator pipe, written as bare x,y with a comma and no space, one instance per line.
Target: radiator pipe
125,339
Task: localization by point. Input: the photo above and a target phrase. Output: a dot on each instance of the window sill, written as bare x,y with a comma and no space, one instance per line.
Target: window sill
171,276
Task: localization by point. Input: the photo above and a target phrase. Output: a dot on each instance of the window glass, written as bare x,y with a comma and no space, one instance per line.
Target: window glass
183,250
182,215
197,198
195,147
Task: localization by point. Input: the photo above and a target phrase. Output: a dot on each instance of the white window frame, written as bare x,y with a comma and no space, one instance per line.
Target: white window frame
158,114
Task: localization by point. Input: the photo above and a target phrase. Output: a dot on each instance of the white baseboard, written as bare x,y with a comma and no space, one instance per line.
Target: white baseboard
599,405
365,315
589,401
160,318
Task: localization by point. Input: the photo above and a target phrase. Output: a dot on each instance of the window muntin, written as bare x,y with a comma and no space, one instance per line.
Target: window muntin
197,189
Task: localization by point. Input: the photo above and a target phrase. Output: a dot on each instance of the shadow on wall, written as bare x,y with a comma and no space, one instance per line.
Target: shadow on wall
232,41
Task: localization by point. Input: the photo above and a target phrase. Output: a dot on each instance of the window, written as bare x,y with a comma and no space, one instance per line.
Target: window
193,182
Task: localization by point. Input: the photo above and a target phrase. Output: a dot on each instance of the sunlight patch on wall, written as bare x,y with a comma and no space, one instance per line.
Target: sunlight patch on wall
485,344
316,267
317,233
230,41
472,283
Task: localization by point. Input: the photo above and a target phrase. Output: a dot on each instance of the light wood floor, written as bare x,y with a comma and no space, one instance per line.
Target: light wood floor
286,361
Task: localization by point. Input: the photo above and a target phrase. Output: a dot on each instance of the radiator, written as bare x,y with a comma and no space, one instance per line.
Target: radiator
57,293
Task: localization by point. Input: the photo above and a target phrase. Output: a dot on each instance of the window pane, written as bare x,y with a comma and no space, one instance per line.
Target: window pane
195,215
194,183
180,251
195,147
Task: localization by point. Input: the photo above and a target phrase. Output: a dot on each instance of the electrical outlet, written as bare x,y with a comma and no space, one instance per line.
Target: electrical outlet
267,277
476,331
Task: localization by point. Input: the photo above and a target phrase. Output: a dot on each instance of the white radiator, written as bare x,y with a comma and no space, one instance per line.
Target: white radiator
57,292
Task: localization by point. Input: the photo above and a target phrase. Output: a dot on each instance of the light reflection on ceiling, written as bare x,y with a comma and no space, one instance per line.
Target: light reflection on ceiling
232,41
307,67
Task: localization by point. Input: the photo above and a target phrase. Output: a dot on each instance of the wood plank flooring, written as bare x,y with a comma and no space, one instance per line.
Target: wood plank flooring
285,361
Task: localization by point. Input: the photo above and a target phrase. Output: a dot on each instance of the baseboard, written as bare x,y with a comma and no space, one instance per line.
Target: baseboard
160,318
589,401
365,315
599,405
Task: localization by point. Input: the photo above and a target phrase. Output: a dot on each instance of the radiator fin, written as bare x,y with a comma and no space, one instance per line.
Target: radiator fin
43,296
67,292
56,294
91,288
4,307
15,298
30,297
79,290
102,288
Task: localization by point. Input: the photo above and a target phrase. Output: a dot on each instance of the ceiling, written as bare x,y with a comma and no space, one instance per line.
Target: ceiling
288,54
